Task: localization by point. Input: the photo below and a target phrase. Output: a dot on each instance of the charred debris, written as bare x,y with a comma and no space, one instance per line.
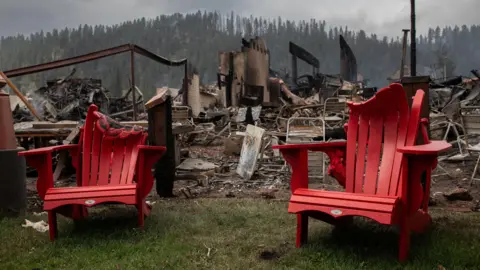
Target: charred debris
69,98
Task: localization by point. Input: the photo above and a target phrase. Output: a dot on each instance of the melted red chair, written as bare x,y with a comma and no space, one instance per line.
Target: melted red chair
379,166
112,166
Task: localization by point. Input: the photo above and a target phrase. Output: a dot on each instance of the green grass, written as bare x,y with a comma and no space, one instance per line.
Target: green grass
240,233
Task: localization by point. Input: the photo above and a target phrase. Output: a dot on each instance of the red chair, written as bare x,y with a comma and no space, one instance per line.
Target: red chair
112,166
379,166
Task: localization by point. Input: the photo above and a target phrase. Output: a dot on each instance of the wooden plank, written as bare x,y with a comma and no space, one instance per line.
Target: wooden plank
143,123
251,147
64,154
34,135
60,127
73,124
48,125
43,131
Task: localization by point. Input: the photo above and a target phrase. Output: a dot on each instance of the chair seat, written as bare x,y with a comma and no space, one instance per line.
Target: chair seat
339,204
90,195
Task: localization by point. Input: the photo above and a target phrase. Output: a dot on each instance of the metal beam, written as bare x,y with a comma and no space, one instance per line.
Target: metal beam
158,58
90,57
67,61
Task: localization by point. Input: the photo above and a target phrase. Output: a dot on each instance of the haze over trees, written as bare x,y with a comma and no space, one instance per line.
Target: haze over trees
200,36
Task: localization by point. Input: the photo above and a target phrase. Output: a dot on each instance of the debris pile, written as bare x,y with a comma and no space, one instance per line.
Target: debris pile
455,108
238,138
235,144
449,96
69,99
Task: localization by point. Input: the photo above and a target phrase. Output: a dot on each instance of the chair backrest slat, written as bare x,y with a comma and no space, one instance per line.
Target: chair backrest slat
109,150
376,128
105,162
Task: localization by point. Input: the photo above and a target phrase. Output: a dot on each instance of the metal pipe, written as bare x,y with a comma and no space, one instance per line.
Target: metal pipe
132,72
404,52
413,45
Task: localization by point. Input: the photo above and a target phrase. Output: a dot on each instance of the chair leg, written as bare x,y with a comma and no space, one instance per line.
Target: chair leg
80,212
302,229
404,241
52,224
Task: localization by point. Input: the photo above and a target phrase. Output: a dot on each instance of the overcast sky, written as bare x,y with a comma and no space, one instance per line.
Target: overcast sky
384,17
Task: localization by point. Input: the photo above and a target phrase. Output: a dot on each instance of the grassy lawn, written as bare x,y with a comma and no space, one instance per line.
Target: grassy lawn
231,234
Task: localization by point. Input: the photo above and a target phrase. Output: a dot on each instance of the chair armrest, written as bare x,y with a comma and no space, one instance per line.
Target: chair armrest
431,148
297,156
147,156
41,160
45,150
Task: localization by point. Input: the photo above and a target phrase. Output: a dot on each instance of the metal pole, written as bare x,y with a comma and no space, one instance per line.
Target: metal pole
404,52
294,69
445,68
413,45
134,91
185,85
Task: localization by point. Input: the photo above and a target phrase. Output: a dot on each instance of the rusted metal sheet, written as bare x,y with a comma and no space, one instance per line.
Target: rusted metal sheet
348,62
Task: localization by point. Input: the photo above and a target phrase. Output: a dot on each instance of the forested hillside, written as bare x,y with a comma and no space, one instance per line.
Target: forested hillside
200,36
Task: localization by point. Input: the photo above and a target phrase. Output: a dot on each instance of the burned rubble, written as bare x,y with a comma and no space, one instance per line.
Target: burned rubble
235,141
235,121
69,98
450,102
